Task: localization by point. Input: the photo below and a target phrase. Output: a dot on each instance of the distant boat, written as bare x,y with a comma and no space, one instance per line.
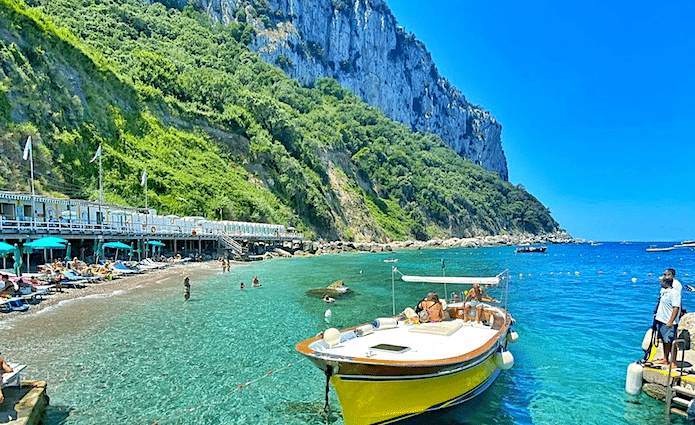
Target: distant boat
391,260
654,248
596,243
685,244
529,249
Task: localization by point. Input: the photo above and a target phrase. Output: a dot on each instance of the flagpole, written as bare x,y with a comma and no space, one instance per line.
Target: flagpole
101,195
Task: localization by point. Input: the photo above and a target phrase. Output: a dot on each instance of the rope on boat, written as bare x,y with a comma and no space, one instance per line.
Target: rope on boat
221,400
329,372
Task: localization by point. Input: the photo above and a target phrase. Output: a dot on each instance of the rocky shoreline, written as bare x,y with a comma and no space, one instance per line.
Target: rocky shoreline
334,247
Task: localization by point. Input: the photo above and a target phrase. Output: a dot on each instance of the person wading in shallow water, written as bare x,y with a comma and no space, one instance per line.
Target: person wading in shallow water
186,288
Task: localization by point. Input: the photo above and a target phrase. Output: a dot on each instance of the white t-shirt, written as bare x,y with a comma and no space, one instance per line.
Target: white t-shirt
677,286
670,298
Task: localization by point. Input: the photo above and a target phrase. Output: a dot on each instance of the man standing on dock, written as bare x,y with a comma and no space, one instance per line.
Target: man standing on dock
667,317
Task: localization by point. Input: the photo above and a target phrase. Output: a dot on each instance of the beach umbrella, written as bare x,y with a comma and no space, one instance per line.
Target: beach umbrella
100,251
117,245
17,261
68,253
4,252
155,243
131,252
48,242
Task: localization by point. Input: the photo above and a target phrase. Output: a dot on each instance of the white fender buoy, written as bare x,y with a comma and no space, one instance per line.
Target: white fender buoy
634,280
512,337
331,337
647,340
633,381
504,360
385,323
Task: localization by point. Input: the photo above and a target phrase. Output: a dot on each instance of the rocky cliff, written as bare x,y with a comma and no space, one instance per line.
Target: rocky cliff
360,44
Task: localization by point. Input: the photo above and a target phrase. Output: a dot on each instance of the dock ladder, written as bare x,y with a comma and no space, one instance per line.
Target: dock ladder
677,392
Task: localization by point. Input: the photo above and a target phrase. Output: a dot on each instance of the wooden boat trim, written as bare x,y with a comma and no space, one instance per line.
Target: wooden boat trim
303,348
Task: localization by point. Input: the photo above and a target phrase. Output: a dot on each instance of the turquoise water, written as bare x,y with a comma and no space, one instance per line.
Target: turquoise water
146,356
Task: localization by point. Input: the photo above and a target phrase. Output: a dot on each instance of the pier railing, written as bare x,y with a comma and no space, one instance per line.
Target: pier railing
24,226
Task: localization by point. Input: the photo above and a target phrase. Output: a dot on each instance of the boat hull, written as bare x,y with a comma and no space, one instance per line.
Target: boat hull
368,401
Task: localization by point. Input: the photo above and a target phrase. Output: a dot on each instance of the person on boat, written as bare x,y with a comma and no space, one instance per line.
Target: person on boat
256,283
474,299
4,368
328,299
667,317
433,306
186,288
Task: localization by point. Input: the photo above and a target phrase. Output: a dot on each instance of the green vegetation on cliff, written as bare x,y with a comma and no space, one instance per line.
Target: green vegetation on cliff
223,134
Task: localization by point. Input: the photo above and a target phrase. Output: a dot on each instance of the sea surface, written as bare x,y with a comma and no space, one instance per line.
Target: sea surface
227,355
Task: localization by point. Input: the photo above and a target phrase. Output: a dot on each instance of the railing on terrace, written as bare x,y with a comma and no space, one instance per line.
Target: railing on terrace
78,227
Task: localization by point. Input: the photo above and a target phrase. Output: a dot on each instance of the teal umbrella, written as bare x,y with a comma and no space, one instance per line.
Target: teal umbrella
155,243
99,251
68,253
17,261
132,251
117,245
5,248
49,242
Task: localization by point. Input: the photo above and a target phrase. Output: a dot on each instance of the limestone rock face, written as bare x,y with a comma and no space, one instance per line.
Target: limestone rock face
360,44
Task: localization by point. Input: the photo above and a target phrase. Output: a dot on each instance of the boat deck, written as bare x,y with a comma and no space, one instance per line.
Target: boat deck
419,346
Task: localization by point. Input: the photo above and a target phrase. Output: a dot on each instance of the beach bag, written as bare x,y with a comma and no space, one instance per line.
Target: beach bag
423,316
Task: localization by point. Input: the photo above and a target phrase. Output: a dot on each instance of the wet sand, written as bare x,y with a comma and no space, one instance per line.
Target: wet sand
196,271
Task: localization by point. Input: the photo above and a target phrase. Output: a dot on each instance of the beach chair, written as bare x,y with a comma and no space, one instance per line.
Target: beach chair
13,304
76,277
14,376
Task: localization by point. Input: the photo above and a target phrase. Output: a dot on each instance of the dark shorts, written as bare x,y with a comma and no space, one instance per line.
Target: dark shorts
665,333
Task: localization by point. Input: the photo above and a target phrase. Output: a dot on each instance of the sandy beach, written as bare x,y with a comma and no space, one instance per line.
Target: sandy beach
196,270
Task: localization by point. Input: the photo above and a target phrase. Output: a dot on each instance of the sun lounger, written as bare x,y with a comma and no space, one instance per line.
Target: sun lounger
155,264
13,304
76,277
120,267
14,376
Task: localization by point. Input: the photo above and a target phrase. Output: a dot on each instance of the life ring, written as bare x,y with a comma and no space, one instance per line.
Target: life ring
193,233
153,229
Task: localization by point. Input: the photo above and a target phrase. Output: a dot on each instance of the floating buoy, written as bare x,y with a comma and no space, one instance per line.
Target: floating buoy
504,360
576,273
328,313
649,274
634,280
521,275
512,337
600,272
633,380
551,273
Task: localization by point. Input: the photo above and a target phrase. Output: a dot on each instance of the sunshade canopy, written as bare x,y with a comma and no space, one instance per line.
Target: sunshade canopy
155,243
118,245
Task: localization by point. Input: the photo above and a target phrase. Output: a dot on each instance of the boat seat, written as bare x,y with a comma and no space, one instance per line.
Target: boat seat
437,328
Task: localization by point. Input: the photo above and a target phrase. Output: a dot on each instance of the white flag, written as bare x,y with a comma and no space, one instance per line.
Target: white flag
96,155
144,177
27,148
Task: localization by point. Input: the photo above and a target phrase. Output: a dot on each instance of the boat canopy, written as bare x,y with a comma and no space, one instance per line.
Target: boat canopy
446,280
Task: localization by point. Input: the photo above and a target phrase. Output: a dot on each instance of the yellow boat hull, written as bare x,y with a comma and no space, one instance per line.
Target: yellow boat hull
368,401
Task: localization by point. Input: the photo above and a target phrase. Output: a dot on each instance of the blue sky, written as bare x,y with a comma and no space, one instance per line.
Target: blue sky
596,100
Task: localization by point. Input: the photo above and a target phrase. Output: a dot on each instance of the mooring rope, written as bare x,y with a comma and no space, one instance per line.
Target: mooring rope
221,400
